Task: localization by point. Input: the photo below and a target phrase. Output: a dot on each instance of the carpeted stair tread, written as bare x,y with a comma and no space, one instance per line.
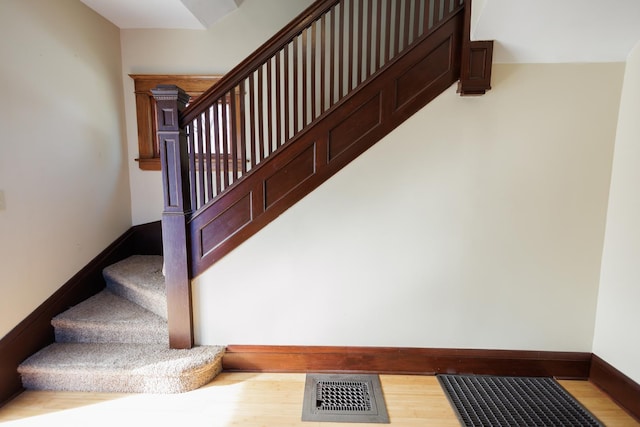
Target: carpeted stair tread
106,317
121,368
139,279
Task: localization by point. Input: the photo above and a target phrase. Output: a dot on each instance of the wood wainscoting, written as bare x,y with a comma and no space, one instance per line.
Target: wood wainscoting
35,332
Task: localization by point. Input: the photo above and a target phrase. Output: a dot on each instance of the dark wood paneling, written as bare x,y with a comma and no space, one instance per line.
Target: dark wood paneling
226,224
35,331
406,361
355,126
290,176
418,78
617,385
477,78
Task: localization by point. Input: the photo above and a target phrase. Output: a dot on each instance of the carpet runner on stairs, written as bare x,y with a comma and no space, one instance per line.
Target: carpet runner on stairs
117,341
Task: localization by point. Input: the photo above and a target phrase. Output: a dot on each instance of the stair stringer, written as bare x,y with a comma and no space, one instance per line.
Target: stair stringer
363,118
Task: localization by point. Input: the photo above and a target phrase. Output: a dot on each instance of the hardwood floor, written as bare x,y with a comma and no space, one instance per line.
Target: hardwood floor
252,399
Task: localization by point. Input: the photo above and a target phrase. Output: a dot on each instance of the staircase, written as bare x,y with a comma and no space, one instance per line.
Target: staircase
328,86
117,341
323,90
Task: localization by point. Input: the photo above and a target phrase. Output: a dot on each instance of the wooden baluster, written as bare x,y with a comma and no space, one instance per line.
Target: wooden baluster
416,20
270,124
379,60
359,50
351,41
436,12
406,23
305,98
224,128
313,71
341,53
191,148
243,123
260,139
216,144
206,132
286,99
278,82
368,55
252,120
170,100
397,30
296,101
388,37
202,193
233,113
323,64
332,57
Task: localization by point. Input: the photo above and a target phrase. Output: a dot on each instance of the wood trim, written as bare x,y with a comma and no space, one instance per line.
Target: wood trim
475,78
193,85
35,331
617,385
424,361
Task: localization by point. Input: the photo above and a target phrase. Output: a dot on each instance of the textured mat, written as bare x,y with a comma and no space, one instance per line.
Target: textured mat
513,401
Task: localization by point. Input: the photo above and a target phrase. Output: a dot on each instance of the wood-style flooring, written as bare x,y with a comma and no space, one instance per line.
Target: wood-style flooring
257,399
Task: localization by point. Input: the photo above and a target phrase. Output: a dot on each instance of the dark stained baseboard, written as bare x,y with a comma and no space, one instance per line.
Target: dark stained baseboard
424,361
35,332
617,385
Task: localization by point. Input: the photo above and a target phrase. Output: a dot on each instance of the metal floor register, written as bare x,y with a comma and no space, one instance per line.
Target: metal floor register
344,398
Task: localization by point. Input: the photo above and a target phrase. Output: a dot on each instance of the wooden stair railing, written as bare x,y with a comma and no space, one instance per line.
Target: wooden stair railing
319,93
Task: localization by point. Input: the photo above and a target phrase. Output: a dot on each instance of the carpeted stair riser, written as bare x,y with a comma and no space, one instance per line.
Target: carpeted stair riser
120,368
139,279
106,318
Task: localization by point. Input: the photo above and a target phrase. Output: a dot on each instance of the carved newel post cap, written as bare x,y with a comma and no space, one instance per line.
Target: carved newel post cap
170,93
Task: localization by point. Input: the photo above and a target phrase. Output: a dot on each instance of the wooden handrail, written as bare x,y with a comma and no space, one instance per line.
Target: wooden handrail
257,58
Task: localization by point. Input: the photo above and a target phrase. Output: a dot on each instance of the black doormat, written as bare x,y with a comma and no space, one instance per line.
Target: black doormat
480,400
344,398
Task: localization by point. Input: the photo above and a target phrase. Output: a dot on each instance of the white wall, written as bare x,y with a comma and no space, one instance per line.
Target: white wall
477,224
62,153
616,336
215,51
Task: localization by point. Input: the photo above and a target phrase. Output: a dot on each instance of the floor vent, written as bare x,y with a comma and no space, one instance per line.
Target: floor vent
344,398
513,401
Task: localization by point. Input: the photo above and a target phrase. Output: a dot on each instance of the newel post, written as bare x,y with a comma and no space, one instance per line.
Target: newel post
170,100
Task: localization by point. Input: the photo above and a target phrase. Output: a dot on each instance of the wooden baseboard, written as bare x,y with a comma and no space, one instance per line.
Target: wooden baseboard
406,361
35,332
617,385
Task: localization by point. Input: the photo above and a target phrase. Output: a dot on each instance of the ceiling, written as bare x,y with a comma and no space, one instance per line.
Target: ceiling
525,31
170,14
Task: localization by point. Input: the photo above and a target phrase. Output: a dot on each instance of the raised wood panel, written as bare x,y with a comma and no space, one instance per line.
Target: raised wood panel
419,77
355,126
476,78
225,224
620,387
290,176
406,361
